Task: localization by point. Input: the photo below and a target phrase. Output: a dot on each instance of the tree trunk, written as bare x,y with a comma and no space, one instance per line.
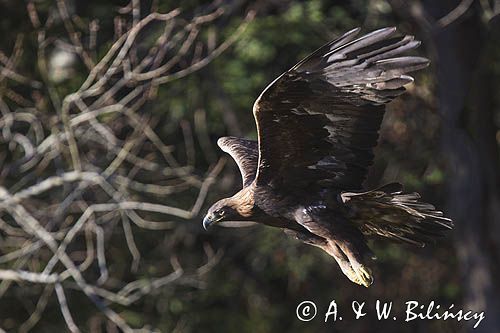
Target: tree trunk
464,55
466,101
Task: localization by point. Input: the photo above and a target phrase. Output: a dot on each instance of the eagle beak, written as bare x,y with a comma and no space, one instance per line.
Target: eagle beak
208,221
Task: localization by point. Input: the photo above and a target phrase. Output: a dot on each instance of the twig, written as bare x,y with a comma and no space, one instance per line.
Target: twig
65,310
455,14
36,315
129,237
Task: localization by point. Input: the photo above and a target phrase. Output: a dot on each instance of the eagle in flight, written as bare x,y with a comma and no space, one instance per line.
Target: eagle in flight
317,125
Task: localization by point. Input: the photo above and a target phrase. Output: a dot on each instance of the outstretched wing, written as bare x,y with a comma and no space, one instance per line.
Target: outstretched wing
245,153
319,121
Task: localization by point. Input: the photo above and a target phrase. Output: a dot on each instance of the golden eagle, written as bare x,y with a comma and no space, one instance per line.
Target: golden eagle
317,124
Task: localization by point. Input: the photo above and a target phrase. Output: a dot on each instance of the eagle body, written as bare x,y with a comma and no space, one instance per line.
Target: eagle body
317,125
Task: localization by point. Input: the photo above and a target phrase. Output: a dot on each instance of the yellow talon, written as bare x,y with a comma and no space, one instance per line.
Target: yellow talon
364,275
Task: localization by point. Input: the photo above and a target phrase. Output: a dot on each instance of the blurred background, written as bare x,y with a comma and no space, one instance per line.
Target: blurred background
108,162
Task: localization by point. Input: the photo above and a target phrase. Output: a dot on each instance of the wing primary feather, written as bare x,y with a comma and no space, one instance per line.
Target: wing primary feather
319,121
345,38
403,64
360,43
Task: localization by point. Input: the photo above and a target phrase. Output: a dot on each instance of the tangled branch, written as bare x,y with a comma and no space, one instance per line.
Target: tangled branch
78,168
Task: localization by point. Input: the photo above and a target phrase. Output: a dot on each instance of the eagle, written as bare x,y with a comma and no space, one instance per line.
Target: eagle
317,125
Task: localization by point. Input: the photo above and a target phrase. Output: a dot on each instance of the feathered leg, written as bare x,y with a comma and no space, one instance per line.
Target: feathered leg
335,251
342,241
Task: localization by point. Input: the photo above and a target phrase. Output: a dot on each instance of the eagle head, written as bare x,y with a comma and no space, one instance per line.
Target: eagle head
239,207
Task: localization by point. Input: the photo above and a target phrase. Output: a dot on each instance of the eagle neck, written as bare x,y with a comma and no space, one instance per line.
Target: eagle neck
244,202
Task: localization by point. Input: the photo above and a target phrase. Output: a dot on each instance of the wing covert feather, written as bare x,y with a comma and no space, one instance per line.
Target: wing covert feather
319,121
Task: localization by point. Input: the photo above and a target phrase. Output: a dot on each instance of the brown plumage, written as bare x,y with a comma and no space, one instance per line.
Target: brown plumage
317,125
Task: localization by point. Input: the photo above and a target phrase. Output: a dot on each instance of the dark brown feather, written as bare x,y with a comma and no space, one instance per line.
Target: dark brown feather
245,153
387,212
319,121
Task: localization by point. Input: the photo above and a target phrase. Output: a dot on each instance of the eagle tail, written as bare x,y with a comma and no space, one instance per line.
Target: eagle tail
387,212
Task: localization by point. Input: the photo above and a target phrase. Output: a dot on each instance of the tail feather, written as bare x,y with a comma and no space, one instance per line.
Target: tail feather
389,213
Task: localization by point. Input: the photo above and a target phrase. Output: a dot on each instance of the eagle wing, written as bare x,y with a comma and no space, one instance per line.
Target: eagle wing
245,153
318,122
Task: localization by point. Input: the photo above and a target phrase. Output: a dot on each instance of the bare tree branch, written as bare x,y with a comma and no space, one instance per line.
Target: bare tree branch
92,164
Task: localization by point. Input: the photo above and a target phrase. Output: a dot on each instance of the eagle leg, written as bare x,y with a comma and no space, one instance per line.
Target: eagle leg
350,262
307,237
361,277
342,240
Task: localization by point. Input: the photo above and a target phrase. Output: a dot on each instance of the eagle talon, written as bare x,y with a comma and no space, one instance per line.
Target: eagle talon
361,276
365,275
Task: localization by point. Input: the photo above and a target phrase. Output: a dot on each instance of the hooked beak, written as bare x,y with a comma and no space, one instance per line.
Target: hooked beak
208,221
